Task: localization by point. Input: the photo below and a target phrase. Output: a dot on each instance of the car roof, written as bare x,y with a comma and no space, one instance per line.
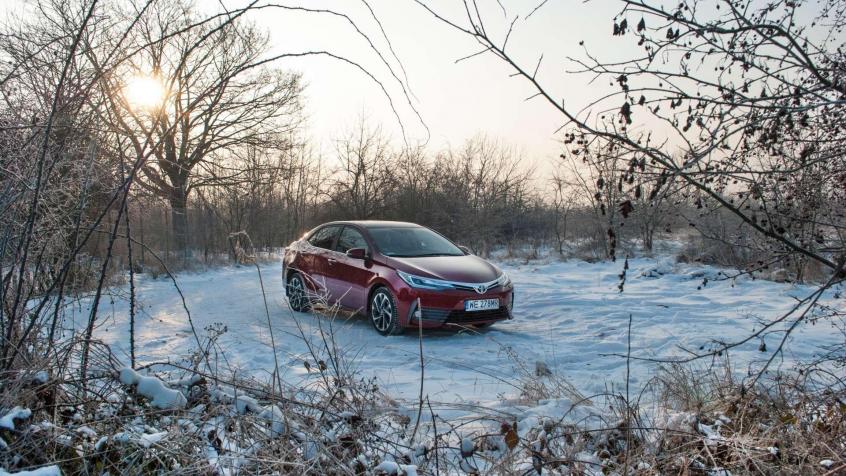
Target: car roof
377,223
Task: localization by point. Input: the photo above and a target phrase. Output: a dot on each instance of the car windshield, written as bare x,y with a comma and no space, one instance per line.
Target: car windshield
412,242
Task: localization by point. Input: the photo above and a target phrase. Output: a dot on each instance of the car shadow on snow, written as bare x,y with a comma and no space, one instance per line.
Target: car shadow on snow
360,320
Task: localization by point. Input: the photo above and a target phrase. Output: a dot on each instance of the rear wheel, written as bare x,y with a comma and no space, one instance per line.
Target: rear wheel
298,294
383,312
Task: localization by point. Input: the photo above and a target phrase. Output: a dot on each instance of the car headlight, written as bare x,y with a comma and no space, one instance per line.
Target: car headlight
423,283
503,280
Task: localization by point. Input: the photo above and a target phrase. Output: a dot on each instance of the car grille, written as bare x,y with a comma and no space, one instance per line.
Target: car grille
440,315
472,287
464,317
447,316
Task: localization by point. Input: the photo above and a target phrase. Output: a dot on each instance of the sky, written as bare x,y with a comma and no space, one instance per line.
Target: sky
455,100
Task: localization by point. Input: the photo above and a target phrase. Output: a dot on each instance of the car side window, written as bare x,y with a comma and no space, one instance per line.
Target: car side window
325,237
350,238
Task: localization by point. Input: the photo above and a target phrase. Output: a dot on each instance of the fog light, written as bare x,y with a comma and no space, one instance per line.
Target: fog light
418,310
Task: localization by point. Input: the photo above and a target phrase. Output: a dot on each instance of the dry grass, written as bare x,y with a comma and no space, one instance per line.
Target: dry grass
706,422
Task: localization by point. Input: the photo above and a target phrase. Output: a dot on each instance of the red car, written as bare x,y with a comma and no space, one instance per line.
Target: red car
398,274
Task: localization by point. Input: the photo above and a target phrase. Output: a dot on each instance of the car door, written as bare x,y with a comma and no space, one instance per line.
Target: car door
349,276
321,245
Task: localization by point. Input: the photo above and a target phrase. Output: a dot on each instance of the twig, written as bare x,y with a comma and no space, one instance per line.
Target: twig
422,370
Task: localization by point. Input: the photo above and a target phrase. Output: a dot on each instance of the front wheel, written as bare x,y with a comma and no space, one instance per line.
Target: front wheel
298,294
383,313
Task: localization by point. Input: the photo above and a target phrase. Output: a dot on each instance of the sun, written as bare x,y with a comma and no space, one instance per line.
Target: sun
144,92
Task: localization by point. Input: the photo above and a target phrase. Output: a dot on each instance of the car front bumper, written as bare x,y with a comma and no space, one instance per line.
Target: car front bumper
446,308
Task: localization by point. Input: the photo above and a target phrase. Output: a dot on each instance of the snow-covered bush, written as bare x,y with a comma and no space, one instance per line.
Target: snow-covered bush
199,417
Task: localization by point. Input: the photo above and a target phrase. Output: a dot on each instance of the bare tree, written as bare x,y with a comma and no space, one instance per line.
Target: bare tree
746,94
362,182
75,142
218,98
485,187
598,172
564,202
728,84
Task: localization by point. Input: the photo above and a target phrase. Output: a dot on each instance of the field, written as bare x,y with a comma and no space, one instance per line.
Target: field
569,317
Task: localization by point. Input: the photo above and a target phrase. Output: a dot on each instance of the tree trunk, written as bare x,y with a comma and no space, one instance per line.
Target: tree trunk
648,237
179,220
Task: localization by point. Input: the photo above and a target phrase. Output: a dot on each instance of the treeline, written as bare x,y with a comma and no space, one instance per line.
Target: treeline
483,194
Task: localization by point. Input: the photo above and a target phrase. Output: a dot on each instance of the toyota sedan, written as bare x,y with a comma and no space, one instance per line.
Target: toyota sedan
398,274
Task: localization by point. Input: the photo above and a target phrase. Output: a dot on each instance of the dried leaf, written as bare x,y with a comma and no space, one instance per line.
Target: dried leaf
511,438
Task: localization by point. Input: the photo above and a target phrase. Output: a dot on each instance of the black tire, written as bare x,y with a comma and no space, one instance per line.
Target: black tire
486,325
297,292
382,311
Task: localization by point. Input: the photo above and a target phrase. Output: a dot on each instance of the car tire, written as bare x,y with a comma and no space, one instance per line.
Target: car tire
382,311
486,325
298,293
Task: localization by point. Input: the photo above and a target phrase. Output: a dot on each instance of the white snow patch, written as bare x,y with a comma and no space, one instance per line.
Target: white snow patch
17,413
154,389
711,432
41,377
467,446
87,431
148,440
393,468
44,471
273,415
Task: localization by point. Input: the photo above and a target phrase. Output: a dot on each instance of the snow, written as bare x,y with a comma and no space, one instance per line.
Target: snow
160,396
87,431
244,403
276,418
17,413
144,439
467,447
569,316
43,471
148,440
392,468
41,377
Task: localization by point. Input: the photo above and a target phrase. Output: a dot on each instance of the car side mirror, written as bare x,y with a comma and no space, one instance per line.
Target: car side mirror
465,249
357,253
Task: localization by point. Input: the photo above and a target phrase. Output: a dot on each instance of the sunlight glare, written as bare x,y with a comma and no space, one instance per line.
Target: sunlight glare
146,92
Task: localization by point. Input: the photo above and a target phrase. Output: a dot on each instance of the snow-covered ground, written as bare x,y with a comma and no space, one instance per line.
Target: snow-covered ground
569,315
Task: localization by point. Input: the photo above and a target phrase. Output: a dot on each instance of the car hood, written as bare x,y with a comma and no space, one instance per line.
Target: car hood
464,269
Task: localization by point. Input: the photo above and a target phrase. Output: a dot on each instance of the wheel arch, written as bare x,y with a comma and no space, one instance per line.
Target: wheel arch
307,279
374,286
289,271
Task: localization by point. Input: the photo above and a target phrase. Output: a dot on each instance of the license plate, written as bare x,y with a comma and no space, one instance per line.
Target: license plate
481,305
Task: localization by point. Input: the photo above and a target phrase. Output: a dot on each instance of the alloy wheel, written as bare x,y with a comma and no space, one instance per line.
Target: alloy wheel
381,311
297,293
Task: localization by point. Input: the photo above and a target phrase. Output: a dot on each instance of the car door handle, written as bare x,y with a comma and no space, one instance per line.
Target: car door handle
332,260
